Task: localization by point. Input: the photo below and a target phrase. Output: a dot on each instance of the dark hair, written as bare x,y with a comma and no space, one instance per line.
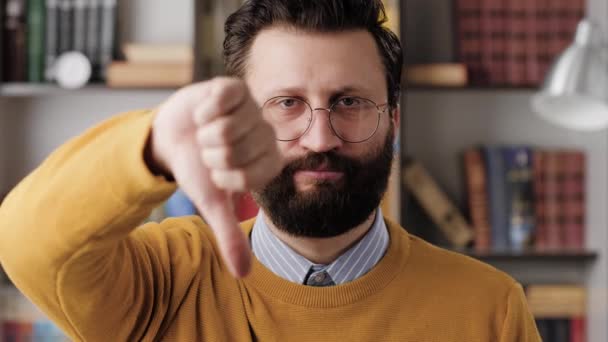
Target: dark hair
316,16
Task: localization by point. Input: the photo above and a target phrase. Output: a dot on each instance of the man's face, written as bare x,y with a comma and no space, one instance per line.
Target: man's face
329,186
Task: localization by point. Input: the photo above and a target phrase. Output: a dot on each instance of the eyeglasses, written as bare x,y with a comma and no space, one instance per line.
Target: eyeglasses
352,119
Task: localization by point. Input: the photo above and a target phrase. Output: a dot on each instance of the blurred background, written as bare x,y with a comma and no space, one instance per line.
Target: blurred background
484,166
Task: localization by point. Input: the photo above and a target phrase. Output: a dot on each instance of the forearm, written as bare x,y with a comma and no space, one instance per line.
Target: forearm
82,201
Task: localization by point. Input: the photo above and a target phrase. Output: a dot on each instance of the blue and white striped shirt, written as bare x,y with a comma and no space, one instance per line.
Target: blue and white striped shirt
288,264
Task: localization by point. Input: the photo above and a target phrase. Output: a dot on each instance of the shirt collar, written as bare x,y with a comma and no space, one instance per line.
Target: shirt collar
288,264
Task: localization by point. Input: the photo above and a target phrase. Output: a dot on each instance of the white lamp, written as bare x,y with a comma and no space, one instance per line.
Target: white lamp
575,92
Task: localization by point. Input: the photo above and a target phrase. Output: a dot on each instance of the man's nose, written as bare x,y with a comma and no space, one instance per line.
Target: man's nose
320,137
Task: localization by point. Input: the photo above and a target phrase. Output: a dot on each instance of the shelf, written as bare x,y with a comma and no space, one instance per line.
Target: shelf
45,89
533,256
528,89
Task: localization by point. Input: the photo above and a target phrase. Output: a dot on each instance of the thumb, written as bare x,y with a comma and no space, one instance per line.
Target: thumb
232,241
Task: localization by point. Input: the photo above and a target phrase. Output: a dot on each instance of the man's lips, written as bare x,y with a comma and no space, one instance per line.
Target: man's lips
327,175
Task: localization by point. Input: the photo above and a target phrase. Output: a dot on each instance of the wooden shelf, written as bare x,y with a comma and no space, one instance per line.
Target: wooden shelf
582,256
45,89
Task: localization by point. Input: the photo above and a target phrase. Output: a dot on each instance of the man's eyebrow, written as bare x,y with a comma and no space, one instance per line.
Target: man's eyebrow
332,94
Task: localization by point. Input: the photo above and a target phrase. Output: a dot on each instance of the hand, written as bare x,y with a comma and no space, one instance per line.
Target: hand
211,137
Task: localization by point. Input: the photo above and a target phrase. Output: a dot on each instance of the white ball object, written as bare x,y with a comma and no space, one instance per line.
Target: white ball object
72,70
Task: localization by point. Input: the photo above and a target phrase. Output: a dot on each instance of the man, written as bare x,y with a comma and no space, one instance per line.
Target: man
308,127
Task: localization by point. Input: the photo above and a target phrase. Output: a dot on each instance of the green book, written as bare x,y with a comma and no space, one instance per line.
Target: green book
35,40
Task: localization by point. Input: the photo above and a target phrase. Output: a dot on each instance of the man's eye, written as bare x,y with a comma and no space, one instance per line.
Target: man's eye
348,101
288,103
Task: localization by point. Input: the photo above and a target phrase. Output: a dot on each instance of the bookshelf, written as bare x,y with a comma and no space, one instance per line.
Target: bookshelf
438,123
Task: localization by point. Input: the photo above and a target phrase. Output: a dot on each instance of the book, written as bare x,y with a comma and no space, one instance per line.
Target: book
497,193
438,75
15,35
2,48
66,29
93,40
548,179
107,35
493,29
244,206
51,39
572,195
515,61
80,26
556,301
35,40
532,28
158,53
179,205
468,34
477,197
437,205
519,196
148,75
578,329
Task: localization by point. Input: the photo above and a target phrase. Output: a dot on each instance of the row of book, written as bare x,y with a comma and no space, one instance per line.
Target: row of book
560,311
513,42
521,197
36,32
20,320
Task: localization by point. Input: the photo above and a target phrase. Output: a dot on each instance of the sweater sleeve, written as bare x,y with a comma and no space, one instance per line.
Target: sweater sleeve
67,237
519,324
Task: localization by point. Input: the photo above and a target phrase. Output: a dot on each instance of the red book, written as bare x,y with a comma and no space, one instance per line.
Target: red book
543,36
478,198
578,329
532,29
469,39
515,63
245,207
547,181
493,33
538,169
573,199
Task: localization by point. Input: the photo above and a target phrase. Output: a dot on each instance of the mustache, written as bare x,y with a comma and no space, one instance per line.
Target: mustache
328,160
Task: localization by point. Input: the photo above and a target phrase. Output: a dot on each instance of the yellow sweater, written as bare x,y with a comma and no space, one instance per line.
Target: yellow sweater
67,240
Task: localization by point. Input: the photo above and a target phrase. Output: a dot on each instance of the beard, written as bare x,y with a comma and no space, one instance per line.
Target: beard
330,208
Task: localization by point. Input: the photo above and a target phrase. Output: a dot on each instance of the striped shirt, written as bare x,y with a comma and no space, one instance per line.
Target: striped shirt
288,264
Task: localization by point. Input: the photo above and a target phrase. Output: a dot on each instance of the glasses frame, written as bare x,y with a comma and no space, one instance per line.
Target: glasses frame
381,108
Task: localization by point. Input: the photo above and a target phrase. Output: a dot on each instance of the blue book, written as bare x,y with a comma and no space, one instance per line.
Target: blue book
519,196
179,205
499,219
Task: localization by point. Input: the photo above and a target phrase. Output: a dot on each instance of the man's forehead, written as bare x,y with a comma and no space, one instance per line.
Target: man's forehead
291,61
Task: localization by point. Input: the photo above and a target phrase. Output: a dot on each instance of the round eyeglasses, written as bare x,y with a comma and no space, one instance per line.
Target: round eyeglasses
352,119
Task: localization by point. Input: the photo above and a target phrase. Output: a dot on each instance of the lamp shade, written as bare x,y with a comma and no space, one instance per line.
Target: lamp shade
575,92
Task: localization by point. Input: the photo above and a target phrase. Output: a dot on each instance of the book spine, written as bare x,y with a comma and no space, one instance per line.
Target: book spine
469,41
52,38
573,199
15,31
478,198
2,47
35,40
552,207
578,329
497,195
244,206
437,205
108,24
179,205
93,40
532,29
540,230
562,330
519,196
65,26
80,32
543,36
493,40
516,42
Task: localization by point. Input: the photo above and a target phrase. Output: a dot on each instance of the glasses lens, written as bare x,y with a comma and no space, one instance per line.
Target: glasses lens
289,116
354,119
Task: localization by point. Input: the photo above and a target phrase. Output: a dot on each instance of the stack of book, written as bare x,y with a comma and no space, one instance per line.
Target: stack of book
152,66
560,311
36,32
520,197
20,320
513,42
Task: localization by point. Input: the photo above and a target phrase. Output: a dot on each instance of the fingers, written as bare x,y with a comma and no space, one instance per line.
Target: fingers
240,153
253,176
226,130
222,97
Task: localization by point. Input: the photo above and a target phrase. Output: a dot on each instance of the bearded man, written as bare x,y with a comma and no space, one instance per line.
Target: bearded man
306,122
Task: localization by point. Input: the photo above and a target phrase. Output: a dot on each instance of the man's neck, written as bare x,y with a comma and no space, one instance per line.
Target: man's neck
323,250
